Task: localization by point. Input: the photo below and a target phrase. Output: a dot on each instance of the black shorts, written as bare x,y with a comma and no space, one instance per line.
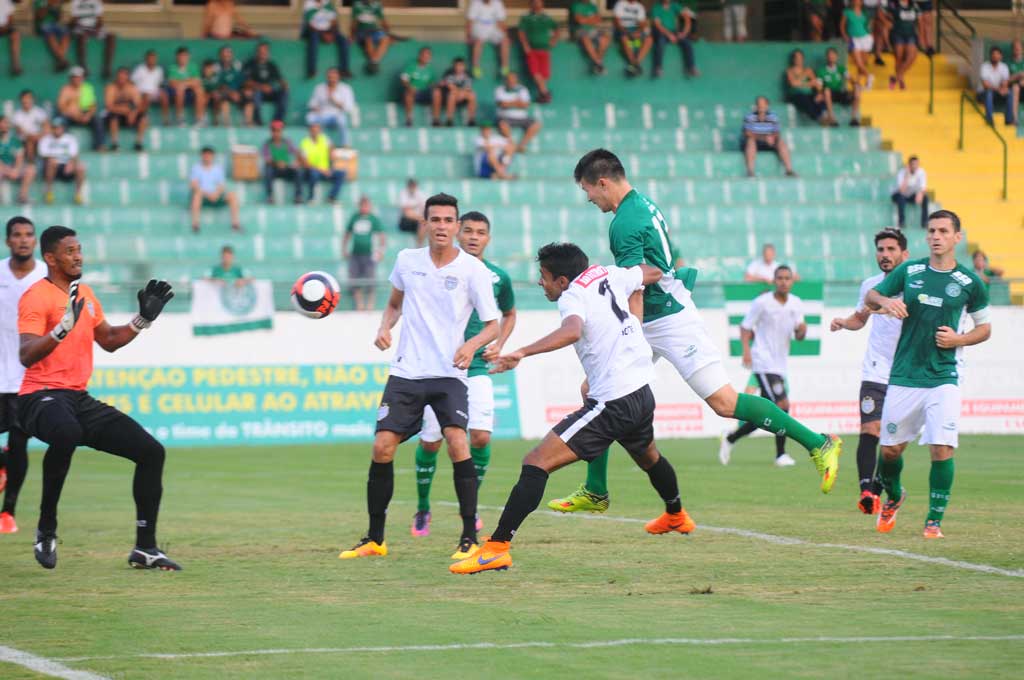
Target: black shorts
122,120
403,401
9,412
628,420
842,97
408,225
92,415
63,174
761,145
872,398
773,386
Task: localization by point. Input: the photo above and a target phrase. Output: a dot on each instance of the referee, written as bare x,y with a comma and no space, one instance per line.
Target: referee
58,320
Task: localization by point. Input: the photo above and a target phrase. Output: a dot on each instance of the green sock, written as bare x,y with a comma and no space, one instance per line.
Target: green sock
426,465
768,416
940,480
597,475
889,472
481,459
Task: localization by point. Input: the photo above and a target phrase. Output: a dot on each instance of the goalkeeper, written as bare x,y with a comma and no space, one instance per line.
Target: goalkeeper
58,320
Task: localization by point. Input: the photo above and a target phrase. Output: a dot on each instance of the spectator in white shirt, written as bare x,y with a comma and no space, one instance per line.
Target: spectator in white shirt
911,186
28,121
86,23
411,201
494,154
10,31
485,23
331,105
634,34
512,100
762,270
995,86
59,150
149,79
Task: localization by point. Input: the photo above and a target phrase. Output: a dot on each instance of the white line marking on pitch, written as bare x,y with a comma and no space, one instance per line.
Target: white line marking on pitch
43,665
594,644
787,540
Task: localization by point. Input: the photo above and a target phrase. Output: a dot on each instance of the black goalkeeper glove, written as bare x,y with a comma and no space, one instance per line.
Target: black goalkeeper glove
152,299
71,313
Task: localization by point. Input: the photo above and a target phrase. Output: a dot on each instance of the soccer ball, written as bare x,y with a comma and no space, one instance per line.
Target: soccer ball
315,294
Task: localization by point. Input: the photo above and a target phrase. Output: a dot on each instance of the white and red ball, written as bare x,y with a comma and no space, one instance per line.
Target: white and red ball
315,294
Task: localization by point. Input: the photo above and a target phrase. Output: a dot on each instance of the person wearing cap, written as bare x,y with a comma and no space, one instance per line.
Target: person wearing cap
46,19
77,104
315,154
124,109
58,150
280,159
494,153
331,105
13,165
208,184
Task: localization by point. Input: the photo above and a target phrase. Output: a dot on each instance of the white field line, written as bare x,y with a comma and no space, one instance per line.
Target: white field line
787,540
43,665
592,644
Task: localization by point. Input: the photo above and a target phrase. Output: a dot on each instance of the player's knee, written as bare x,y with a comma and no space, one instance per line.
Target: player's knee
154,453
873,428
479,438
431,447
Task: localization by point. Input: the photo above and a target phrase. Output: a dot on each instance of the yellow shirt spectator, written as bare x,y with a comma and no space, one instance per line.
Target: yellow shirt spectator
317,152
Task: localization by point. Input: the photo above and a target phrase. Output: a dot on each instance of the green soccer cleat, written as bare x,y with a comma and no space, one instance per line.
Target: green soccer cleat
826,459
580,500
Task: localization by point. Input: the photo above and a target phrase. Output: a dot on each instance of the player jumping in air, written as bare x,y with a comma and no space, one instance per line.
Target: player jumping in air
673,327
890,252
59,318
773,319
924,389
17,273
616,358
435,289
474,235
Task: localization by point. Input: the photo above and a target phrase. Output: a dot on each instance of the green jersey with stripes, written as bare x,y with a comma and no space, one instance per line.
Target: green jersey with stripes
639,235
934,298
506,300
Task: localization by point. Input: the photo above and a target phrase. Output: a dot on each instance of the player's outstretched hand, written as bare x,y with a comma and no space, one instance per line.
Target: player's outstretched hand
492,352
152,299
506,362
895,308
946,337
72,311
837,324
383,340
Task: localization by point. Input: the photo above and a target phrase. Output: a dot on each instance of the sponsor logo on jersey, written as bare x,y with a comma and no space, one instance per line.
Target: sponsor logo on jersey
867,406
383,411
916,269
929,300
590,275
961,278
953,290
90,307
891,428
690,351
916,284
450,283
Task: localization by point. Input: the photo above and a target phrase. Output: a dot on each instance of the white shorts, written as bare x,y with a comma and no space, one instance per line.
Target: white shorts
865,43
934,412
492,35
481,410
684,342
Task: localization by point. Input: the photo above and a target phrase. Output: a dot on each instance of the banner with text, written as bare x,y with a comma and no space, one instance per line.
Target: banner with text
220,307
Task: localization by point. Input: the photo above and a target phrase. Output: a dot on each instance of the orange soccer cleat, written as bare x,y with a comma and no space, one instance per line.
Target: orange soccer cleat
671,521
887,518
492,556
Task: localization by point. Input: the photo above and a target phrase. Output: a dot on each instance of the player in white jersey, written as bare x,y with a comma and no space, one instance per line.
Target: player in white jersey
774,318
17,273
890,252
609,341
435,290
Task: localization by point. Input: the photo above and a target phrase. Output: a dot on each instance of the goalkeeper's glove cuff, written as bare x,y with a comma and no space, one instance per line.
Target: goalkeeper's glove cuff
139,324
59,333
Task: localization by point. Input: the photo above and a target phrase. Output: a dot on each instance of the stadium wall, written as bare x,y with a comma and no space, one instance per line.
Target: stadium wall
317,381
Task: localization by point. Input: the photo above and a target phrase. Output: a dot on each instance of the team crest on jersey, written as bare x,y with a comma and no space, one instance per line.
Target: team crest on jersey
891,428
915,269
953,290
867,406
383,411
450,283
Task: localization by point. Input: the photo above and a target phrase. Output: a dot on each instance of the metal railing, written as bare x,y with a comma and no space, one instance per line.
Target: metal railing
957,26
968,96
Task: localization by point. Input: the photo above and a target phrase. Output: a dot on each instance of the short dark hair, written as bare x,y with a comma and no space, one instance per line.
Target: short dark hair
831,49
597,164
52,236
563,259
25,92
181,50
15,221
441,199
476,216
149,52
896,234
994,49
228,248
206,63
459,60
913,158
946,215
792,55
782,267
207,149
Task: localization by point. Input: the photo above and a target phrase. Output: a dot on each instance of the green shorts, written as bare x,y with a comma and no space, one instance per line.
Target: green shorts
218,203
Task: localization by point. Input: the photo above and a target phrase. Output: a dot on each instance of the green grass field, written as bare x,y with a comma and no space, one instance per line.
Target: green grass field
258,532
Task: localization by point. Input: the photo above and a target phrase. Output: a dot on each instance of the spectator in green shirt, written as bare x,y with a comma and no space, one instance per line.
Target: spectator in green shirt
839,87
281,159
263,78
77,103
230,88
13,166
418,85
370,30
359,248
982,268
538,34
46,18
672,23
185,87
1016,66
227,271
585,23
320,24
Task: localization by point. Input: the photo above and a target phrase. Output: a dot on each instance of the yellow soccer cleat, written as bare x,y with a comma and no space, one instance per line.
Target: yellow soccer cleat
467,548
580,500
364,548
826,459
492,556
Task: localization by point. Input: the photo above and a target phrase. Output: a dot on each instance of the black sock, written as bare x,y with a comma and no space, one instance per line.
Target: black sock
17,468
466,484
525,497
379,488
780,445
663,479
147,489
742,431
867,453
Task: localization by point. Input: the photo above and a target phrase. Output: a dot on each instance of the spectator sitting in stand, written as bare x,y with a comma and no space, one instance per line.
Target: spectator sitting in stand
911,187
77,104
186,87
839,87
485,23
762,270
230,88
223,21
320,24
58,150
228,271
803,89
585,22
1016,68
538,34
281,159
417,85
761,132
263,78
13,165
331,105
86,23
208,185
13,35
994,87
494,153
456,88
316,160
513,103
675,24
983,269
363,247
370,31
149,78
634,34
46,18
28,121
124,110
411,201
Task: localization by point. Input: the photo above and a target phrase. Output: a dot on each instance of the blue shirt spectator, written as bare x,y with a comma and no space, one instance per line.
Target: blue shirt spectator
761,132
208,186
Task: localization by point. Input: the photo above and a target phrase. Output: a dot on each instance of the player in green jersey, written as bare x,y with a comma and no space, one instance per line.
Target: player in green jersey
924,385
674,329
474,235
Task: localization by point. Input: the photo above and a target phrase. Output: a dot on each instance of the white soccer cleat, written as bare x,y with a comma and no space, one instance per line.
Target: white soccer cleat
785,460
724,450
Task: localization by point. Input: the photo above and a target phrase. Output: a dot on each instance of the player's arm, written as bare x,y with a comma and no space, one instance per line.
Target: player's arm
854,322
947,338
801,330
886,305
746,337
464,355
152,299
506,324
636,299
569,332
392,313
